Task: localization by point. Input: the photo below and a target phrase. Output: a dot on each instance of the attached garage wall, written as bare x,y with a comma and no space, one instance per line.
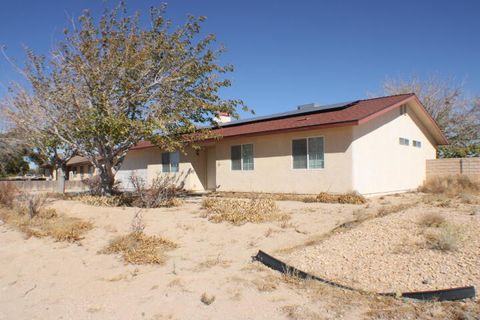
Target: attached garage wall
146,163
136,162
380,163
191,174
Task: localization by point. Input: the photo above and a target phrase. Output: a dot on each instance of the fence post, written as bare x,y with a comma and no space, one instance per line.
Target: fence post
60,180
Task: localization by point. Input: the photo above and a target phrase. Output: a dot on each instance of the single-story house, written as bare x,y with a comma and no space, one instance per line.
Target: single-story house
79,168
370,146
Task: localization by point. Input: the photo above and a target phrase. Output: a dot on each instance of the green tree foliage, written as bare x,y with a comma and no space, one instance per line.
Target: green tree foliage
113,82
12,157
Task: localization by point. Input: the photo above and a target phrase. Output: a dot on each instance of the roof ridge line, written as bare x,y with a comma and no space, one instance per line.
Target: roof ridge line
388,96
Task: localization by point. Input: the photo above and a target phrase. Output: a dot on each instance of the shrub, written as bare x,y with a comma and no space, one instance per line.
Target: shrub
8,193
432,220
94,185
35,203
163,192
46,223
386,210
138,248
346,198
240,211
445,238
450,185
138,225
101,201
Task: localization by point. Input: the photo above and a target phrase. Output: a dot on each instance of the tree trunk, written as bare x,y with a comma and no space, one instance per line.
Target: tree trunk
107,178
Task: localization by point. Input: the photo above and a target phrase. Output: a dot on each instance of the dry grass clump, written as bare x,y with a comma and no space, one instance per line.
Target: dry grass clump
450,185
391,308
138,248
345,198
260,195
100,201
8,193
46,223
386,210
446,237
434,220
240,211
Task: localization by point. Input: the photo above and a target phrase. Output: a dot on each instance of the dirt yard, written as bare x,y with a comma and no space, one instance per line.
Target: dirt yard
210,273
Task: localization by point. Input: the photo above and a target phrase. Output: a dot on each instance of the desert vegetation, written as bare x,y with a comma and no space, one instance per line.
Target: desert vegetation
183,257
323,197
8,193
240,211
138,248
440,234
451,186
345,198
33,219
29,214
161,192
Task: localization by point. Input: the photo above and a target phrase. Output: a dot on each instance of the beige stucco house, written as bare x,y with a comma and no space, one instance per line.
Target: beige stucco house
369,146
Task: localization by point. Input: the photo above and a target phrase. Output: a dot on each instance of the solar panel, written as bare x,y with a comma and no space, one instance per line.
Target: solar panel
303,109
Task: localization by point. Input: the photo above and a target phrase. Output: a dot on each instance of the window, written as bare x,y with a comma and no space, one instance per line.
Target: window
404,142
242,157
308,153
416,143
170,161
81,169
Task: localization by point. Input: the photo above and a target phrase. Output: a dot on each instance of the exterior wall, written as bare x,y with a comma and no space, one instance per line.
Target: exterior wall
47,186
445,167
273,164
380,163
78,176
211,158
146,163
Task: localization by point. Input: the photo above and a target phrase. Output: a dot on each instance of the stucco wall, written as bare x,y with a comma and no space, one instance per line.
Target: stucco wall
273,164
380,163
191,174
146,163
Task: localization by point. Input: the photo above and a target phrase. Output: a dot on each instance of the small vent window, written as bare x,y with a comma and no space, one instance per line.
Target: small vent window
417,144
404,141
403,109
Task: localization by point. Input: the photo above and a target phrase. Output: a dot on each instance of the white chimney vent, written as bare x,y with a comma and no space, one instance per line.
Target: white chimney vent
223,117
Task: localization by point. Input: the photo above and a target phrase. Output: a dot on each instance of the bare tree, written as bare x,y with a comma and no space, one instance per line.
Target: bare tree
110,84
457,115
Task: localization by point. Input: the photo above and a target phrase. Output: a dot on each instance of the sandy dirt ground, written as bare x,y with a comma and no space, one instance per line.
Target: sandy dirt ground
390,254
43,279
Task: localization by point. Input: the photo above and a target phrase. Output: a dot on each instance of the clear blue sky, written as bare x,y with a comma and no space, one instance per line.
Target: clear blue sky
288,53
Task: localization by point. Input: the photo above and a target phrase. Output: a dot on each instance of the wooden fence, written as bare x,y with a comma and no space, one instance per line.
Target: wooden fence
444,167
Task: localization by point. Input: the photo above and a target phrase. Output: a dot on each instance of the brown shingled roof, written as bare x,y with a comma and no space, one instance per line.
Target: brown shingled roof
353,114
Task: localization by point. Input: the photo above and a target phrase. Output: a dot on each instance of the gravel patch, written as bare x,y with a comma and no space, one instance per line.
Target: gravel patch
390,254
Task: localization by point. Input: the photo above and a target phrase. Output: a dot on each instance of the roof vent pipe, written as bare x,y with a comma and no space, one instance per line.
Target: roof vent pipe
308,106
